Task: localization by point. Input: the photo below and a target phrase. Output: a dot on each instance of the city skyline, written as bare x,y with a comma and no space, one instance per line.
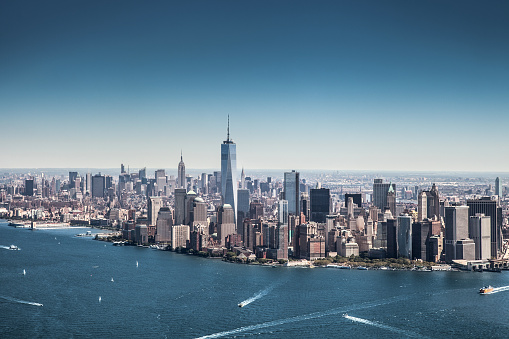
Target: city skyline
378,86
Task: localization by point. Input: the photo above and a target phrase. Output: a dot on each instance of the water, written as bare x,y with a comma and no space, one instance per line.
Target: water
68,292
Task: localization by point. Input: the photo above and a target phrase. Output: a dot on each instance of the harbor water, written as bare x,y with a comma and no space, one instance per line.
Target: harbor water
61,286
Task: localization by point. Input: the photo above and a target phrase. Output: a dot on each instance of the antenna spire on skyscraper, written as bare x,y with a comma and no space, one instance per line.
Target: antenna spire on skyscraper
228,130
181,155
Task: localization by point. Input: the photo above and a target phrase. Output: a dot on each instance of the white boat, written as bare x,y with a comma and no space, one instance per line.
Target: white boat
14,248
24,272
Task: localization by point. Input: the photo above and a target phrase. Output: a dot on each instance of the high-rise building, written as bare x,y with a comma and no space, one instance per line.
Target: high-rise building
456,228
199,213
243,205
404,236
391,233
304,205
479,229
229,171
181,173
89,183
422,206
283,212
242,179
180,206
179,236
29,187
320,204
154,204
163,225
498,187
421,231
225,223
98,186
72,179
490,208
380,191
292,192
255,210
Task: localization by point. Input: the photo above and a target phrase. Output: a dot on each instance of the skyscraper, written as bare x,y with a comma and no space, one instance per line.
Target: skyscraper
98,186
491,209
229,171
498,187
243,205
29,187
479,229
154,204
320,204
181,173
292,192
180,206
380,191
282,212
72,179
404,236
456,228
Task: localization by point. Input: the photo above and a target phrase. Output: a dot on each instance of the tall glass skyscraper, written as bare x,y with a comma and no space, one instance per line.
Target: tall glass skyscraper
229,172
292,192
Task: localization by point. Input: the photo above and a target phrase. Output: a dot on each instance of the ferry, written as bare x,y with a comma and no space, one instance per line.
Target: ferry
486,289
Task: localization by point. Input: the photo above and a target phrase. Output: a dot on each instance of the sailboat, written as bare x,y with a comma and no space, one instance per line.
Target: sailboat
99,299
24,272
136,263
112,280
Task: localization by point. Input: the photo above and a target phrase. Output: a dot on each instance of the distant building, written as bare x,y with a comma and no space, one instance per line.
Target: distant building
141,234
180,206
380,191
498,187
292,192
320,204
181,178
154,204
72,179
282,212
98,186
29,187
356,199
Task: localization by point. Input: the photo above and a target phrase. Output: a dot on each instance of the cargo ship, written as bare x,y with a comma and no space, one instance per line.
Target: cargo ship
486,289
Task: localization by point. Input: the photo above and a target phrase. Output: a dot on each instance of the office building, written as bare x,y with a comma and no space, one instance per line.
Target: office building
229,171
490,208
498,187
380,191
98,186
405,236
29,187
163,225
179,236
154,204
421,231
282,212
320,204
391,229
72,179
180,206
456,228
225,223
292,192
479,229
243,205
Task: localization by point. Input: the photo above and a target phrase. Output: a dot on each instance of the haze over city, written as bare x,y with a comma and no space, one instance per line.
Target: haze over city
364,85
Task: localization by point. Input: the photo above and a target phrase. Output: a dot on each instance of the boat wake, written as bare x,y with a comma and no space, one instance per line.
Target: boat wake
498,289
256,296
4,247
385,327
20,301
305,317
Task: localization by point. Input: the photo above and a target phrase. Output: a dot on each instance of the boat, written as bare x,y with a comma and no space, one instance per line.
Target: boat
14,248
486,289
88,234
24,272
241,305
362,268
344,267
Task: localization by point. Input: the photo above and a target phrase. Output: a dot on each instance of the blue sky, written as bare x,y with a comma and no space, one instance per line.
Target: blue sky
382,85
